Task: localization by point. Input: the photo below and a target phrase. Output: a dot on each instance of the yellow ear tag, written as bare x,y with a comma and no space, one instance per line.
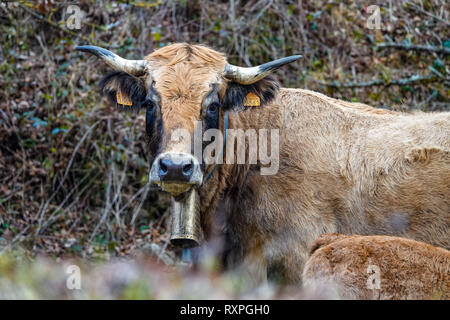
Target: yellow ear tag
251,100
123,100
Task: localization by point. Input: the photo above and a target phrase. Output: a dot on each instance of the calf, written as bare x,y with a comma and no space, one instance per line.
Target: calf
377,267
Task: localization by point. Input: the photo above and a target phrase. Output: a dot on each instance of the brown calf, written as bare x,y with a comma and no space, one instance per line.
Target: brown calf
377,267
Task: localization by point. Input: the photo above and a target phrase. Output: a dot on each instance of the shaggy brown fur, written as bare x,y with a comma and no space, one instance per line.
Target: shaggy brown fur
378,267
344,167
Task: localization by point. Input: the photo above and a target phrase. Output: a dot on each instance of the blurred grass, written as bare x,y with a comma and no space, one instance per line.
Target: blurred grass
140,278
73,171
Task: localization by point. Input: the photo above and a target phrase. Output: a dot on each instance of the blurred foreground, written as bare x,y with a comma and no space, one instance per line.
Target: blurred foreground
149,275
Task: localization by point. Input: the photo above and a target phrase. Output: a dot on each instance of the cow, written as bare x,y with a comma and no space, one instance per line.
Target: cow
342,167
377,267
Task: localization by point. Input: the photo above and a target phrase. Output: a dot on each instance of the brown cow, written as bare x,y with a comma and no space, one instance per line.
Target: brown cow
343,167
377,267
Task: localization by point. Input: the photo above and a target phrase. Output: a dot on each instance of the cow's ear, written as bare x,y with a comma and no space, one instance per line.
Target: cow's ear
240,97
123,90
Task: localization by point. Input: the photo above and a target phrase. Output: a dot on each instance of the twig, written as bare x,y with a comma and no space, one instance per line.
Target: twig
417,8
137,210
56,212
156,250
163,251
379,82
55,25
108,205
405,46
43,209
14,240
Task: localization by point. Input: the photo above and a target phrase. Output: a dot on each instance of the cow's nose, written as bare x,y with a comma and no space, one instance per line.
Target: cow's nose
170,170
176,172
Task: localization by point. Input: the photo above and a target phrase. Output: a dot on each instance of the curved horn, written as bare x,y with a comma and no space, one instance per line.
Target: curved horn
133,67
249,75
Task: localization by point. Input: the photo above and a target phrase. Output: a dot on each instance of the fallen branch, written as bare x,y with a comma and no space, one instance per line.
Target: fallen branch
167,257
419,9
405,46
379,82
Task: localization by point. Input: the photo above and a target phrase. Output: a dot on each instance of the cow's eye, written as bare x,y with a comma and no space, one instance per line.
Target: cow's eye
212,109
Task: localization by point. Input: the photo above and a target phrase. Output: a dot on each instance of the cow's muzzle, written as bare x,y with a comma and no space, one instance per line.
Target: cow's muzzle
176,173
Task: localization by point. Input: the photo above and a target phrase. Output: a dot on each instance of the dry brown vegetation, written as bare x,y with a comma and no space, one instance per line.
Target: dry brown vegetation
73,171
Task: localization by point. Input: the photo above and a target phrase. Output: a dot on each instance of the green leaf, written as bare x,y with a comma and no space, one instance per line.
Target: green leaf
157,36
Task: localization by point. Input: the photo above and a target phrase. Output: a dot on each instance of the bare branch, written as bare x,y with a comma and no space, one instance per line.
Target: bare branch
406,46
380,82
419,9
55,25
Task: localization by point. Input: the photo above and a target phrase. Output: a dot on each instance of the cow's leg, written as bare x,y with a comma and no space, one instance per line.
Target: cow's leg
252,265
254,269
286,261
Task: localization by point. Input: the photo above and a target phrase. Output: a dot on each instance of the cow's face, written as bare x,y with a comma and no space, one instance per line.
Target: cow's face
187,87
184,91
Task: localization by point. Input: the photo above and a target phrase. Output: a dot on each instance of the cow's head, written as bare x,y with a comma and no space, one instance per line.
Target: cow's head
179,87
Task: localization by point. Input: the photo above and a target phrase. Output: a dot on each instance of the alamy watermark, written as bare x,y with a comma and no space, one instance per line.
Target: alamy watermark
73,281
240,147
374,279
74,16
374,19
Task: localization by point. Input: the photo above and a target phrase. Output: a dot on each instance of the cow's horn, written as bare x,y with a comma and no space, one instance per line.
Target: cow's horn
249,75
133,67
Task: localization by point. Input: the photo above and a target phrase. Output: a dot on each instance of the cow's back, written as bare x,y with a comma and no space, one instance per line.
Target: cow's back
401,174
382,172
